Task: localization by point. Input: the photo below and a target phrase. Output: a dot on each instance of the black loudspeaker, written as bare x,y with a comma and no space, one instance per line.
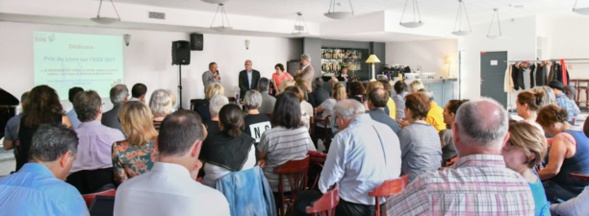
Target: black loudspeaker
196,41
180,53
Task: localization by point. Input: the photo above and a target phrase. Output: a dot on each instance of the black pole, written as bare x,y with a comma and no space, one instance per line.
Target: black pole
180,86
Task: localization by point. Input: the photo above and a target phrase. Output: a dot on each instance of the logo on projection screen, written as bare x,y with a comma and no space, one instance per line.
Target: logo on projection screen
41,37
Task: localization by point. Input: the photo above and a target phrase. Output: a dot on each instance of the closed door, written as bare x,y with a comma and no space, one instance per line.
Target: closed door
493,65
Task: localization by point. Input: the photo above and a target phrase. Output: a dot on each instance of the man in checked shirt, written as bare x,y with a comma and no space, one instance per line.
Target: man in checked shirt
479,183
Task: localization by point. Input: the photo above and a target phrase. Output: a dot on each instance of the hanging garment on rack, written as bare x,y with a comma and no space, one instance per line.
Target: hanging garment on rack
552,74
558,73
526,73
541,75
565,73
518,78
508,81
532,72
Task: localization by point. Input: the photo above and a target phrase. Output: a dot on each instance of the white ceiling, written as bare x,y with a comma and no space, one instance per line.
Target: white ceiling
479,11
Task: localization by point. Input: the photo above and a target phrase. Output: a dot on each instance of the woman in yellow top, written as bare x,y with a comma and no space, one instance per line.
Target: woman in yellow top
435,116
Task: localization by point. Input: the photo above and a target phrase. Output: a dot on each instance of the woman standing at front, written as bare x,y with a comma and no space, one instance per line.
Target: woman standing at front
569,153
279,76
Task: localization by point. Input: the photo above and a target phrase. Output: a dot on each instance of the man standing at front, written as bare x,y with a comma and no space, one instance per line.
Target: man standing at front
307,72
479,183
361,157
248,78
170,188
211,76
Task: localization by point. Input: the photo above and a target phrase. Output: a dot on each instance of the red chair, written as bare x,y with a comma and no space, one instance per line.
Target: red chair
295,172
88,198
326,204
579,176
317,159
386,189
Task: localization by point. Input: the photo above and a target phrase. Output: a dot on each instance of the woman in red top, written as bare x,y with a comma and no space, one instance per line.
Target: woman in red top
279,76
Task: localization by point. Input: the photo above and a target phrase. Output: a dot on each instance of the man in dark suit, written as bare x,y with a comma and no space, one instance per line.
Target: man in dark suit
118,97
248,79
377,101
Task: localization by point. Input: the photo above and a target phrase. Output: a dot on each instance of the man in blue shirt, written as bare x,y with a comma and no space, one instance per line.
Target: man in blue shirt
38,187
563,101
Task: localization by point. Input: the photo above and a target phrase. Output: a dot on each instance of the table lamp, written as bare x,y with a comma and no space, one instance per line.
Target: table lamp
372,59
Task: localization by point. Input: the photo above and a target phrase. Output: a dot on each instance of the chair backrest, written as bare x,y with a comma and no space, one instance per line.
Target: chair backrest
388,188
581,177
326,204
88,198
295,172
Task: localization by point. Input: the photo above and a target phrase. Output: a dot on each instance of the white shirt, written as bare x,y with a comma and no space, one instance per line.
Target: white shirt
214,172
360,161
168,189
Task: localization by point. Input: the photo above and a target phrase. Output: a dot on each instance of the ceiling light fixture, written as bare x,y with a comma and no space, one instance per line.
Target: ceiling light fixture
495,36
106,20
222,27
331,13
460,31
300,28
215,1
583,11
415,23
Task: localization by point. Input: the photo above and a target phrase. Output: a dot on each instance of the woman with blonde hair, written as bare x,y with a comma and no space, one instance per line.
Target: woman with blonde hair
161,104
286,84
138,153
415,86
569,153
524,151
547,97
202,106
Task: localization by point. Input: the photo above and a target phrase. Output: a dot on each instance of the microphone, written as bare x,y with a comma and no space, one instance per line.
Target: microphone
218,73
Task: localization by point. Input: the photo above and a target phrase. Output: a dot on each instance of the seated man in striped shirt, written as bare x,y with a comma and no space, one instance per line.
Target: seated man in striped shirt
479,183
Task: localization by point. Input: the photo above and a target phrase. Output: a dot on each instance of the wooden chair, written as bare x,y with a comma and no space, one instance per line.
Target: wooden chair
317,159
386,189
452,161
295,172
88,198
581,177
326,204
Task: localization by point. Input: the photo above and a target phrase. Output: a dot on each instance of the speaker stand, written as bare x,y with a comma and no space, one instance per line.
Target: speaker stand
180,87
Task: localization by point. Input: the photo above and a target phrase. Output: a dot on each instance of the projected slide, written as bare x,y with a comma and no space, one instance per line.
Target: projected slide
90,61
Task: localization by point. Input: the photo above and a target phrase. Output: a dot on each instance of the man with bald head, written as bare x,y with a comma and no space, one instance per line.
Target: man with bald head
248,78
479,183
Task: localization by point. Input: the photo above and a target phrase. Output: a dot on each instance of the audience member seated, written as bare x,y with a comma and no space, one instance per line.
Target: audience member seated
319,93
399,99
229,150
435,116
11,129
578,205
479,183
170,187
448,148
525,149
280,76
363,155
118,97
527,106
268,101
38,188
373,85
71,115
415,86
306,107
202,108
420,143
548,95
256,123
569,153
286,84
137,154
287,140
357,91
377,101
390,103
42,106
161,105
138,92
326,109
563,101
307,95
217,102
93,166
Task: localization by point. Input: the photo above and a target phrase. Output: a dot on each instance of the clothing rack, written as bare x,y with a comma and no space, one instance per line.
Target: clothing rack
571,60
